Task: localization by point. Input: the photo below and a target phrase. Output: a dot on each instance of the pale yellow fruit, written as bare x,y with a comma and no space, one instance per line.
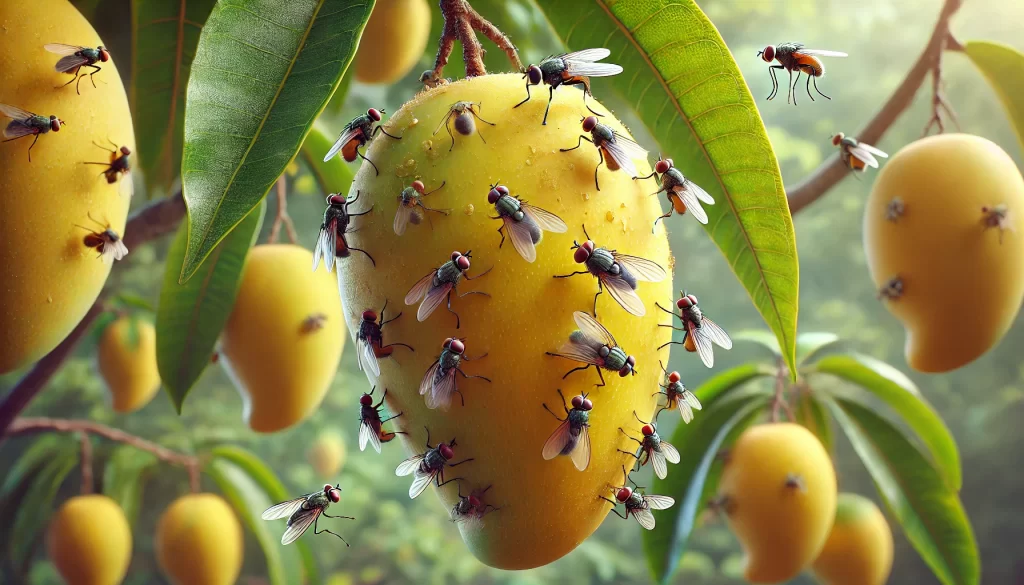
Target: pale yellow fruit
548,507
50,277
327,454
284,337
127,363
393,40
89,541
199,541
951,265
778,490
859,549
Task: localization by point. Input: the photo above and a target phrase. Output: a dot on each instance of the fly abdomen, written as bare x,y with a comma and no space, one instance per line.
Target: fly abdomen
615,359
627,276
535,231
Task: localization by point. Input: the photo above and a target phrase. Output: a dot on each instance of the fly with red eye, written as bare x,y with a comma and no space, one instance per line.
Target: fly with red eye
24,124
74,57
429,466
305,511
593,345
652,448
332,242
568,69
358,133
438,383
855,154
638,504
698,330
118,168
683,194
794,57
107,242
370,341
470,510
439,285
677,396
614,150
572,437
523,223
370,422
411,208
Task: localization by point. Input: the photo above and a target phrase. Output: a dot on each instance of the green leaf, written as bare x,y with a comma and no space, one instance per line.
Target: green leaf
1003,67
333,176
914,491
809,344
722,382
760,337
123,477
897,390
699,443
264,70
35,508
130,301
811,413
191,315
164,38
686,88
19,478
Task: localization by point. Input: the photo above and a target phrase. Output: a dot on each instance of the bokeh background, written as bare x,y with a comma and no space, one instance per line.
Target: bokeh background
396,540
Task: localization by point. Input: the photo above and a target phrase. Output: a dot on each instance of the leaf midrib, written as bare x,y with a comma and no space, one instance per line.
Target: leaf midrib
193,323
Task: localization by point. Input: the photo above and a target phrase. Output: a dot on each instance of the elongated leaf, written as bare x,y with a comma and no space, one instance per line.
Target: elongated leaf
264,70
333,176
700,442
899,392
914,491
721,383
683,83
123,477
761,337
1003,67
192,315
19,478
810,343
34,510
164,39
812,414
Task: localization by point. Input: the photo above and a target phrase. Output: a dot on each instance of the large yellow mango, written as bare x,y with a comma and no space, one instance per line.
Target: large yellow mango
199,541
89,541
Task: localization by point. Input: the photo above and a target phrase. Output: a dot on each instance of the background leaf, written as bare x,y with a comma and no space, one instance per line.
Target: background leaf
1003,67
899,392
810,343
333,176
914,491
19,478
192,315
34,510
164,38
813,415
685,86
264,70
722,382
123,476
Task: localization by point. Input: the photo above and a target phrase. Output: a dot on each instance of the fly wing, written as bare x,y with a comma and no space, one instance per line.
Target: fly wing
581,454
284,509
428,378
691,399
642,268
699,192
716,333
865,155
442,389
522,239
325,246
15,113
587,69
17,129
658,460
684,410
616,152
692,204
70,63
659,502
402,218
409,466
644,517
631,148
119,249
873,150
670,452
300,525
592,329
623,294
545,219
581,352
367,434
702,343
821,52
346,136
557,441
419,290
62,49
421,481
365,357
586,55
433,299
126,186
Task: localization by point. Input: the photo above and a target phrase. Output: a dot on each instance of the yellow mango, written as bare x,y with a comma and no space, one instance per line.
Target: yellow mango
127,363
393,41
859,549
199,541
89,541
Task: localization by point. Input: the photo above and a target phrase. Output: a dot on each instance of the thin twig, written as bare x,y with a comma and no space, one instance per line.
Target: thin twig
460,22
282,217
86,463
779,402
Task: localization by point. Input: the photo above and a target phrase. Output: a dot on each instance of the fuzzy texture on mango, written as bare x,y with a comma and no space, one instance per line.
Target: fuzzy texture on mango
393,41
859,549
50,277
327,455
284,338
779,490
547,507
89,541
951,266
126,359
199,541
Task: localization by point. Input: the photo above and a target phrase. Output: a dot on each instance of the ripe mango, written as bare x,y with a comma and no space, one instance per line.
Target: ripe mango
393,41
778,490
50,276
284,337
928,223
127,363
326,455
199,541
89,541
547,507
859,549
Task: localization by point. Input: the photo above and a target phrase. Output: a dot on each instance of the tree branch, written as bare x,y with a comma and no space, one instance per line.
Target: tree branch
460,23
86,463
833,170
146,224
282,217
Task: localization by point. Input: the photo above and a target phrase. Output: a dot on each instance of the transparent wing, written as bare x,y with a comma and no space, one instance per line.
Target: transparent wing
421,482
699,192
658,461
284,509
592,329
419,290
435,296
557,441
642,268
126,185
325,246
346,136
684,410
442,390
428,378
670,452
15,113
300,525
115,251
522,239
366,435
863,154
409,466
585,69
580,352
659,502
691,399
716,333
545,219
586,55
644,517
702,343
402,218
873,150
581,454
616,152
62,49
822,52
623,294
631,148
17,129
366,358
70,63
691,203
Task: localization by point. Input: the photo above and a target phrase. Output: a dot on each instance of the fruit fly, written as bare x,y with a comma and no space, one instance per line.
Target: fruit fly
615,150
464,112
358,132
857,155
892,289
523,223
439,285
698,330
677,396
332,243
74,58
568,69
897,208
652,448
117,168
370,423
107,242
438,382
682,193
997,216
572,437
411,208
429,466
593,345
469,510
370,341
619,272
794,57
304,511
638,504
24,124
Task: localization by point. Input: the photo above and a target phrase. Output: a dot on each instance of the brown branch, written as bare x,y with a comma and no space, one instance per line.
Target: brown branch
460,23
833,170
282,217
779,402
86,463
147,224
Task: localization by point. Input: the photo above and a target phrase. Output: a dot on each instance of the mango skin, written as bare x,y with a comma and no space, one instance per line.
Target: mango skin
548,507
129,369
89,541
781,527
393,41
281,367
50,278
327,455
859,550
951,265
199,541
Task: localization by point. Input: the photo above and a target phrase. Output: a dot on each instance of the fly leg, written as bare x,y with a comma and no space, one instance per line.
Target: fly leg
578,144
460,462
96,70
405,345
818,90
448,127
614,509
385,132
316,531
775,81
809,78
326,515
664,309
551,97
600,154
527,95
391,417
375,170
653,174
475,115
457,320
672,326
367,255
683,342
568,275
466,376
501,230
428,436
661,217
600,289
792,86
544,404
